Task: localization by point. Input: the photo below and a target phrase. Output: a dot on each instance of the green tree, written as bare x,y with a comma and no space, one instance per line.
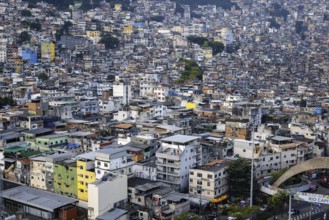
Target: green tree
205,44
42,76
6,101
35,26
26,13
110,77
109,41
303,103
187,216
157,18
242,212
277,202
239,172
217,47
276,175
24,37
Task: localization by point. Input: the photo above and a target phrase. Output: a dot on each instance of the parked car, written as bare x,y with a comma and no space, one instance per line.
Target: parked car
294,211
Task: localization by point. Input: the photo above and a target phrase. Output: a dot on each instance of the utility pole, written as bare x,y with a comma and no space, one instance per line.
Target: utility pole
252,166
289,212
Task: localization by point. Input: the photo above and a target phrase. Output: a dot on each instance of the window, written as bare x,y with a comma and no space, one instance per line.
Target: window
106,165
199,175
199,182
98,172
191,180
209,176
98,163
81,167
191,173
208,183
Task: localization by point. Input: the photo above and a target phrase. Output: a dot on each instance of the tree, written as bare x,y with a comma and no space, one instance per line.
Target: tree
42,76
242,212
277,202
187,216
35,26
303,103
6,101
109,41
26,13
205,44
239,172
24,37
276,175
157,18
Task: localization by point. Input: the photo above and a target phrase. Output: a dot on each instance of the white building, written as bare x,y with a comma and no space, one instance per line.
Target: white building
209,180
89,104
123,91
161,92
3,50
109,192
176,156
114,160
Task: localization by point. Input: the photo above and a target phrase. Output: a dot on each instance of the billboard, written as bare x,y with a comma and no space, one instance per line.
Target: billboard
311,197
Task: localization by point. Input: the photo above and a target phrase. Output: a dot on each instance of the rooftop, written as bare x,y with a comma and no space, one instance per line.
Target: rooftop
182,139
281,138
112,214
38,131
37,198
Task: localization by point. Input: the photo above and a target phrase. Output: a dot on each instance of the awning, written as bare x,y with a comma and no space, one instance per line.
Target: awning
220,199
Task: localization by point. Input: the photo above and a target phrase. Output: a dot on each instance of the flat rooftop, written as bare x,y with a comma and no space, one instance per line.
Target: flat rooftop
37,198
281,138
182,139
38,131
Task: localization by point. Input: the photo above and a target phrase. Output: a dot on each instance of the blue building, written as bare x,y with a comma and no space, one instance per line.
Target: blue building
29,55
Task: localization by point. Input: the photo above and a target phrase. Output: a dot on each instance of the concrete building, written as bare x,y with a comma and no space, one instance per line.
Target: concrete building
175,157
114,160
65,178
85,173
209,181
122,91
106,193
38,173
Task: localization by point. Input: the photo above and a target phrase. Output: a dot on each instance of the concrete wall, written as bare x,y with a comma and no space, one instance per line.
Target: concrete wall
313,164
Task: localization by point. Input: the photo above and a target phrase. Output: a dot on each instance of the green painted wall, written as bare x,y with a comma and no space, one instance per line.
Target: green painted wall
65,179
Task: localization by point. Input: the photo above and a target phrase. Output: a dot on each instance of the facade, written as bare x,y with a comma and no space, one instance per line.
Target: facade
30,56
48,51
65,178
85,174
106,193
175,157
46,143
122,91
209,181
38,173
115,160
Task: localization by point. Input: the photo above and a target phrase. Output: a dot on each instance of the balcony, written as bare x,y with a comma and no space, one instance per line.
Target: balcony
174,173
166,164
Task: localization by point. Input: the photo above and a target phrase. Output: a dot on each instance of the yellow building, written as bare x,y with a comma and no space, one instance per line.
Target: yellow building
95,36
48,50
190,105
207,52
18,65
128,29
85,175
118,7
